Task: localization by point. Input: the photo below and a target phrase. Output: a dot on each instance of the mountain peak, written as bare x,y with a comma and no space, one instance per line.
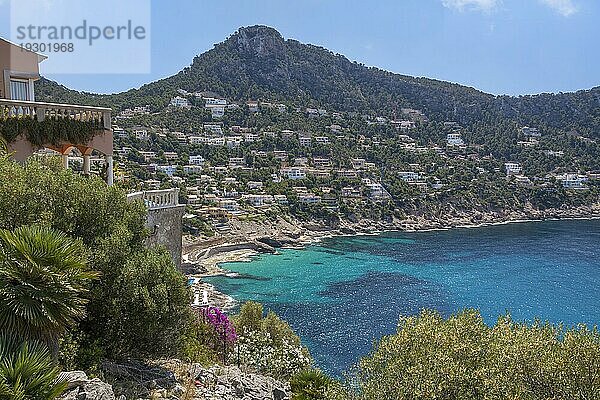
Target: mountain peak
259,40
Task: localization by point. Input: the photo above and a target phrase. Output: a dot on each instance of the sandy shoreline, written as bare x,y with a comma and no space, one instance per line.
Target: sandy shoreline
205,258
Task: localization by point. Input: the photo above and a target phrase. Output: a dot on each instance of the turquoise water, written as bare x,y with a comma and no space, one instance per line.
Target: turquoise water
346,292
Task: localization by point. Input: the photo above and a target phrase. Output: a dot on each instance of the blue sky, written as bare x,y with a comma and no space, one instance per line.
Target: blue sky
498,46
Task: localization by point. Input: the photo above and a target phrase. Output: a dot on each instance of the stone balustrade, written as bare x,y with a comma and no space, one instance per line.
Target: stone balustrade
154,199
41,111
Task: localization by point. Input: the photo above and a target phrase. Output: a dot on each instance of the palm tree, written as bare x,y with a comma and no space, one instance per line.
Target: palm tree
27,371
43,276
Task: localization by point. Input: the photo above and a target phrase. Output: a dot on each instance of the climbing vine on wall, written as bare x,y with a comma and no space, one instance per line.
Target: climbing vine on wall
52,130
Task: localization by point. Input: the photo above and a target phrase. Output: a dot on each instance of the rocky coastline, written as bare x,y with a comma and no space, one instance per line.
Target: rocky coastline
203,257
172,379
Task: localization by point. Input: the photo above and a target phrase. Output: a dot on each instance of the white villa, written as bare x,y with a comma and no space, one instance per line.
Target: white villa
179,102
196,160
574,181
294,172
513,168
454,139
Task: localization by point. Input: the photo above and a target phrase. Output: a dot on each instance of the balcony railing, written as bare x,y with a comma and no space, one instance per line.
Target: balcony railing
154,199
41,111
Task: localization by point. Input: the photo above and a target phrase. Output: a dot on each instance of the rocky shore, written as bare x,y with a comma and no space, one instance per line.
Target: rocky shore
204,256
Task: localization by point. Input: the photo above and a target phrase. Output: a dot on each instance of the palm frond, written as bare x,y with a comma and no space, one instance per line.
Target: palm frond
43,278
27,371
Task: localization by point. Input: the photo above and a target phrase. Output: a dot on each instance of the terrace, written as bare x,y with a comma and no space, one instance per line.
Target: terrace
27,125
80,127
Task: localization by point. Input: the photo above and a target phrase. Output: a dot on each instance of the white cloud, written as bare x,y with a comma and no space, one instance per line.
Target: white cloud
565,8
479,5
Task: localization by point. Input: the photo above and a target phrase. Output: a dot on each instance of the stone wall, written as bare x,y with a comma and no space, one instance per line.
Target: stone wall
166,229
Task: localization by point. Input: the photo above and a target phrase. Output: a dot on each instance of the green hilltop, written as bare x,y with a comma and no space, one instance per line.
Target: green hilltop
256,62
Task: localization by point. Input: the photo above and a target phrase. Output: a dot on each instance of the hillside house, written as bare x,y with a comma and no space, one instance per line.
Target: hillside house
216,110
171,156
193,169
347,173
148,155
294,173
305,139
309,198
280,198
180,102
213,101
169,170
141,133
319,162
454,139
216,141
531,132
236,162
513,168
234,141
215,129
196,160
287,134
574,181
254,185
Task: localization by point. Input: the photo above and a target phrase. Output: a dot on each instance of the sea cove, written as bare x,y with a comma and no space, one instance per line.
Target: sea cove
346,292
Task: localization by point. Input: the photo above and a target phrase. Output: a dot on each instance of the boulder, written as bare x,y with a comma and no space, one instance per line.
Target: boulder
80,387
230,383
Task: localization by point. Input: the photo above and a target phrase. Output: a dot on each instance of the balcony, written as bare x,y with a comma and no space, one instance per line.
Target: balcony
41,111
96,120
156,199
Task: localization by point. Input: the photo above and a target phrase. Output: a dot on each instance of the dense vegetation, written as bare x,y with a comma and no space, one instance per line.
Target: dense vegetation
53,130
463,358
140,302
79,286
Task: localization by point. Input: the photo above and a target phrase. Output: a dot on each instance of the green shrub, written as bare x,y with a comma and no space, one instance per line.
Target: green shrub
143,310
198,345
269,345
463,358
249,317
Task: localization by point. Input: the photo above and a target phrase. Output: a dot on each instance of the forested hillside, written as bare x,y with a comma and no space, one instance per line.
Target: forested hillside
258,63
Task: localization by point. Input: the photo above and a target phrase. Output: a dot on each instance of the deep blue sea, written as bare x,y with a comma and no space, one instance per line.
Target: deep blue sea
346,292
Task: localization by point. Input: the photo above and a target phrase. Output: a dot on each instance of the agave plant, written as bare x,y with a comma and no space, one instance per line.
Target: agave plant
43,276
27,371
